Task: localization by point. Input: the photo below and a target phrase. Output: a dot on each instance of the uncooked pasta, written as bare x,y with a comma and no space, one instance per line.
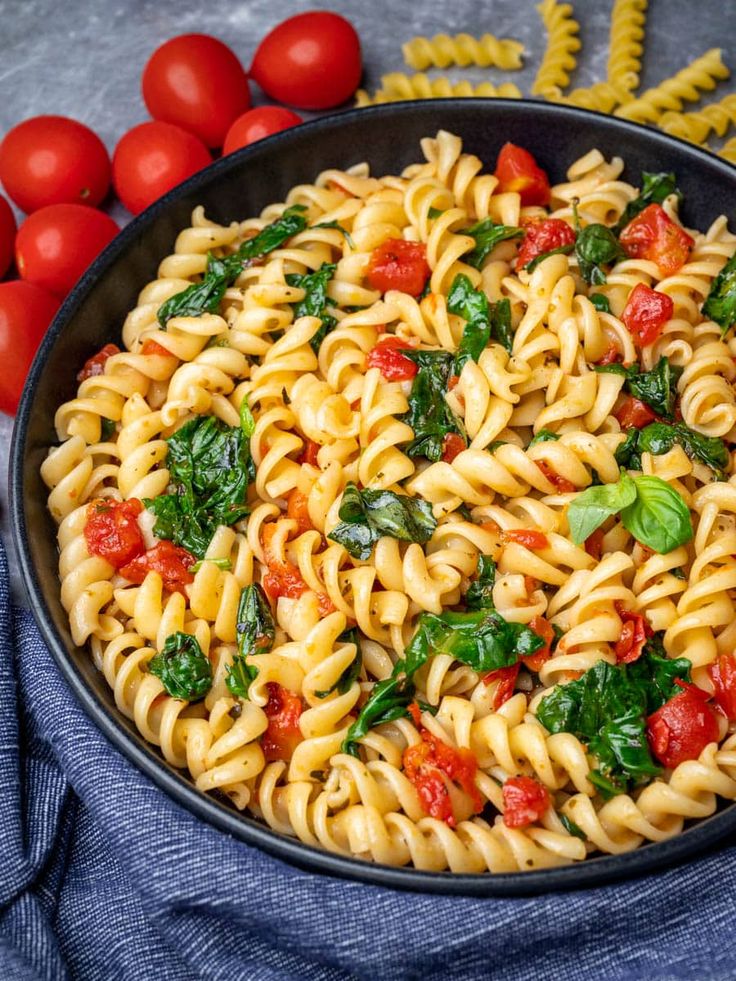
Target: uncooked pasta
402,515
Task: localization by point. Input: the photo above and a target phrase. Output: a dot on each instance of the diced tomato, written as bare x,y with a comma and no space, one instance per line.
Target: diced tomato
430,764
563,485
453,380
542,236
612,355
387,357
634,414
723,676
506,678
172,562
524,801
530,585
635,631
594,543
517,170
284,579
528,537
682,728
153,347
283,735
112,531
452,444
654,236
399,265
96,364
309,453
298,510
543,628
645,314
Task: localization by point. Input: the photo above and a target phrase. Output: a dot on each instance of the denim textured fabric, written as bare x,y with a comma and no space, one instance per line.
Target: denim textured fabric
103,877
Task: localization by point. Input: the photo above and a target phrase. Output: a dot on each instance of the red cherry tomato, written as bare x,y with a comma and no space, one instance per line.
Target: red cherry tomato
543,236
562,484
54,160
682,728
96,364
7,235
452,445
634,414
151,159
25,313
635,631
283,578
258,123
543,628
171,562
153,347
283,734
431,765
517,170
399,265
723,676
56,244
309,453
506,678
387,357
524,801
645,314
112,531
528,537
297,510
653,235
594,543
311,61
196,82
612,355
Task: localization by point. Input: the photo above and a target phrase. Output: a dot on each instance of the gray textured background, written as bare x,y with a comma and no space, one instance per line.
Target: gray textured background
84,59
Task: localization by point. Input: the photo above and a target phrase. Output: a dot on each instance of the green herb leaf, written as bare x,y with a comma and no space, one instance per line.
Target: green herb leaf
435,212
389,700
107,429
656,388
596,246
654,189
184,670
471,304
657,517
315,300
351,673
487,235
591,507
224,564
247,422
659,438
429,415
501,331
543,436
571,827
480,592
560,250
367,515
256,632
720,303
336,225
600,302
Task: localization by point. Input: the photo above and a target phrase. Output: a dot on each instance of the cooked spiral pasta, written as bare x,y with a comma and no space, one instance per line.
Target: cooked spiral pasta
443,50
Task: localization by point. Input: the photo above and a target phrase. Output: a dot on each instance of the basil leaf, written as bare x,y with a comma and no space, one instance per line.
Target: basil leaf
352,672
368,515
596,246
600,302
655,188
720,303
591,507
543,436
429,415
571,827
247,422
435,212
659,437
336,225
389,700
501,331
471,304
315,300
107,429
656,388
255,631
184,670
560,250
224,564
480,592
487,235
657,517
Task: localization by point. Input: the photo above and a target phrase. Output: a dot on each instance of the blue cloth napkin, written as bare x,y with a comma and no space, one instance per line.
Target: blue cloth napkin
103,877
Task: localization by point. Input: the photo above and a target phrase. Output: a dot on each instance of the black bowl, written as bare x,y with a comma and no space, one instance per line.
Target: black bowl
239,186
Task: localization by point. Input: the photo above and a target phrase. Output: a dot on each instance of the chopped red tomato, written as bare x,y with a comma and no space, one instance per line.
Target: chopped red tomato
594,543
528,537
634,414
524,801
645,314
309,453
153,347
399,265
112,531
170,561
682,728
517,170
430,765
298,510
543,628
96,364
283,735
723,676
283,578
612,355
654,236
453,380
452,444
563,485
387,357
635,631
543,235
506,678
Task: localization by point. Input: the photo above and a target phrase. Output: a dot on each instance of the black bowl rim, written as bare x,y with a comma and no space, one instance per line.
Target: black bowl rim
593,871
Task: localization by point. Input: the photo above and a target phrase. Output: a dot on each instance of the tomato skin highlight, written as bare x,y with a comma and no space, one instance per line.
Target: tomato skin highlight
645,314
8,229
56,244
543,236
112,531
682,728
429,763
387,357
524,801
452,445
517,170
53,160
26,311
283,735
634,414
528,537
95,365
562,484
654,236
171,562
258,123
311,61
635,632
399,265
196,82
723,676
506,678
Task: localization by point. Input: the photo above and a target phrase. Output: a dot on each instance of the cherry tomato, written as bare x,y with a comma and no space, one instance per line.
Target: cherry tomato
612,355
258,123
171,562
634,414
430,765
283,734
387,357
543,236
56,244
152,158
25,313
297,510
524,801
682,728
517,170
399,265
7,235
283,578
723,676
544,629
653,235
112,531
309,453
562,484
594,543
153,347
528,537
645,314
196,82
311,61
96,364
54,160
452,445
506,678
635,631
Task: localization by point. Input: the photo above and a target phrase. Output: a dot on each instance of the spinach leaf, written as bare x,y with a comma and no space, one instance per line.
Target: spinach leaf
429,415
247,422
596,246
591,507
659,438
206,296
600,302
336,224
571,827
352,672
560,250
209,467
315,301
657,517
487,235
224,564
657,388
654,189
480,592
501,331
435,212
543,436
389,700
184,670
471,304
720,303
107,429
367,515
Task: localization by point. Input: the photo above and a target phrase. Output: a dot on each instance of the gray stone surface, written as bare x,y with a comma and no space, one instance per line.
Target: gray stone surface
84,59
